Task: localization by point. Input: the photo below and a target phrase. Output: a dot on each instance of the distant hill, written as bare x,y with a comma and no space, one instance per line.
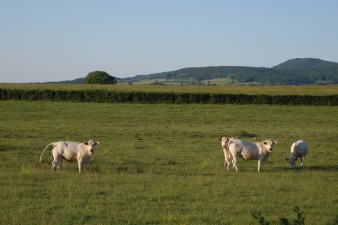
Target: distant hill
75,81
299,71
238,74
305,63
317,70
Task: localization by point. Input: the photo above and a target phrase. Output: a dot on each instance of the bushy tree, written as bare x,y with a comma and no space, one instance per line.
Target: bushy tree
100,77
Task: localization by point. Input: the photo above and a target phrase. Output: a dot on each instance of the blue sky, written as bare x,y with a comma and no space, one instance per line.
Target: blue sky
54,40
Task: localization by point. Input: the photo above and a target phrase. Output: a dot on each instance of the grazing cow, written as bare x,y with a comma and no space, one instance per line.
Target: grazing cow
298,150
250,151
71,151
227,156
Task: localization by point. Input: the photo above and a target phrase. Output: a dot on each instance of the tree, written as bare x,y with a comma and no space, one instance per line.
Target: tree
100,77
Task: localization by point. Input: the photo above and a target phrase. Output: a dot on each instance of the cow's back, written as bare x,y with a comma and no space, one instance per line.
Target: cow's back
299,148
245,149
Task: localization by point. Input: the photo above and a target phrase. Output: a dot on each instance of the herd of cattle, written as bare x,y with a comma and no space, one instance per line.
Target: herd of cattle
233,149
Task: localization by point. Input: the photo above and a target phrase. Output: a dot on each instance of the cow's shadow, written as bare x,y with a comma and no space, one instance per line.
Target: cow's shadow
7,148
309,168
321,168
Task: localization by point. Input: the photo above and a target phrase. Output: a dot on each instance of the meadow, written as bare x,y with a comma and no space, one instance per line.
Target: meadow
162,164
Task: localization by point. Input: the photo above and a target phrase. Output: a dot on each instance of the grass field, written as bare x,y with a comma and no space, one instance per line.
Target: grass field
162,164
268,90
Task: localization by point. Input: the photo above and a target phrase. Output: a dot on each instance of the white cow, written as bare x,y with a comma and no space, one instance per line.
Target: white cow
298,150
227,156
250,151
71,151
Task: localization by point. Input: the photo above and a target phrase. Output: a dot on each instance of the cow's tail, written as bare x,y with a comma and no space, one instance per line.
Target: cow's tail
45,150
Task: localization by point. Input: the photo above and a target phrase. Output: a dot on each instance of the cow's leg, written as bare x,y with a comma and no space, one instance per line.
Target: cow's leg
56,159
302,161
59,164
54,165
225,158
228,164
227,161
79,162
259,165
234,163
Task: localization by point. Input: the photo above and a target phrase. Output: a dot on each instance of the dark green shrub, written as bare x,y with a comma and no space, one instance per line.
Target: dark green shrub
99,77
163,98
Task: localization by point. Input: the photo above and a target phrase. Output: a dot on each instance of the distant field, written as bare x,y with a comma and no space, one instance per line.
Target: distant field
268,90
162,164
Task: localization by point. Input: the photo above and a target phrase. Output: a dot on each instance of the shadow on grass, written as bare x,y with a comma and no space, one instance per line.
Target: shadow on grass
4,148
299,220
309,168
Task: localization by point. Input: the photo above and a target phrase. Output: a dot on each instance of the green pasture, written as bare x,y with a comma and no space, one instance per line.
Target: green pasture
162,164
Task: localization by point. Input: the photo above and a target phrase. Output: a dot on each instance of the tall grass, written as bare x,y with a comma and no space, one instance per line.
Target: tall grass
162,164
250,90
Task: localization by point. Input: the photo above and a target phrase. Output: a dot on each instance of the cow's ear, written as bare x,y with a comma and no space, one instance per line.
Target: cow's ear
265,143
96,143
219,138
274,142
86,143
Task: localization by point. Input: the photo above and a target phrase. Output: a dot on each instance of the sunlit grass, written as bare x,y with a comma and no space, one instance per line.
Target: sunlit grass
162,164
268,90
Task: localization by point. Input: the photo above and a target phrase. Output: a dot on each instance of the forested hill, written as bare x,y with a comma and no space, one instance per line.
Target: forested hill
316,70
292,72
298,71
308,63
236,74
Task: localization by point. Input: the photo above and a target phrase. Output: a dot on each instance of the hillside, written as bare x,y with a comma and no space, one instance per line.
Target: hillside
75,81
237,74
299,71
307,63
317,70
292,72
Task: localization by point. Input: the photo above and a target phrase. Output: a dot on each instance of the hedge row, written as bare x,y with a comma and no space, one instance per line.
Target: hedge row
166,98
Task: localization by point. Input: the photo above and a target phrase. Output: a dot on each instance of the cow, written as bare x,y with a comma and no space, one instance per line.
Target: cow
71,151
298,150
227,156
250,151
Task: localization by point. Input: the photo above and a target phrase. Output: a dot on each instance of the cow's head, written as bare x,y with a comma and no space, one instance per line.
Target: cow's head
224,141
268,145
292,162
91,146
